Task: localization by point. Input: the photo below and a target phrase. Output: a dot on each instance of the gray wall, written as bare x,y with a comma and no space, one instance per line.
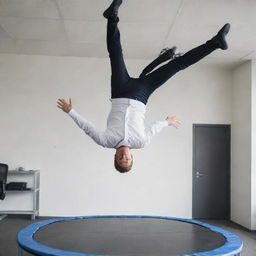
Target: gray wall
77,176
243,146
253,152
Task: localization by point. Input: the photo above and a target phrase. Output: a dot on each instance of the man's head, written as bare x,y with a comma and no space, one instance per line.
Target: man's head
123,159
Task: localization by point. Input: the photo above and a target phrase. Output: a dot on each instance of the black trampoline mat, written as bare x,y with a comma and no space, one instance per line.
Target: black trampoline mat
129,236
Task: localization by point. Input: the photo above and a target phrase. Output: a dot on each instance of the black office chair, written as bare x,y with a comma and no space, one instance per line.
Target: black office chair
3,179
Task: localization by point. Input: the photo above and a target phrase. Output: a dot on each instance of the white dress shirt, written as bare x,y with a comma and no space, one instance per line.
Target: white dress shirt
125,125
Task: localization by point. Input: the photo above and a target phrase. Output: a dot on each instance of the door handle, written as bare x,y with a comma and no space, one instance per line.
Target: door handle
199,174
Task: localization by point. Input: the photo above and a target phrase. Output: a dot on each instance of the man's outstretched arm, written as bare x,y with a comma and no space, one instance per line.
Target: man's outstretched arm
64,105
82,123
173,121
157,127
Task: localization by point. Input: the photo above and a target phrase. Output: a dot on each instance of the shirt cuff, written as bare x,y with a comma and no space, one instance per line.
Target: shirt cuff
72,112
164,123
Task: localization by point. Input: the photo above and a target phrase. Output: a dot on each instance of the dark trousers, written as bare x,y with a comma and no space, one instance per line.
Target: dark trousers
124,86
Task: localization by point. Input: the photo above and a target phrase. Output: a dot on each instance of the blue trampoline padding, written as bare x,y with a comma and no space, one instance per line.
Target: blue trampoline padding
232,247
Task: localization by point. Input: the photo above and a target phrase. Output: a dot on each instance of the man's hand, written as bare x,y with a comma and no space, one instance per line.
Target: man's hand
64,105
173,121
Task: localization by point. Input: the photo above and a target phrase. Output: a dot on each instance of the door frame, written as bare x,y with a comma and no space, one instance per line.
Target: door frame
229,161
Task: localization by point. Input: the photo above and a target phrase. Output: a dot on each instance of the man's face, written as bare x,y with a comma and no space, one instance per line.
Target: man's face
123,157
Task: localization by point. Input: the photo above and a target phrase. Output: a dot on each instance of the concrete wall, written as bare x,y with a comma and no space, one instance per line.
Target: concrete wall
241,146
253,152
77,176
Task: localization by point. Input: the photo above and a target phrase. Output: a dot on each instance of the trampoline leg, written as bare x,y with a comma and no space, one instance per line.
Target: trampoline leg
20,252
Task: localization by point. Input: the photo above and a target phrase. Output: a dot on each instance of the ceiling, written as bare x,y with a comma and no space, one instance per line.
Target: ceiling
77,27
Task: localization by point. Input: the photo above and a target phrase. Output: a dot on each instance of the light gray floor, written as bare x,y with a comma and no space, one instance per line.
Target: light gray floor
248,237
11,225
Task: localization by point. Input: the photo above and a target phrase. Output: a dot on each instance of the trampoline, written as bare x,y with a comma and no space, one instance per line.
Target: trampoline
127,236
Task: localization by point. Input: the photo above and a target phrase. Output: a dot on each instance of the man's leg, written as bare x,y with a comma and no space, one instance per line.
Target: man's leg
162,74
118,68
119,75
166,54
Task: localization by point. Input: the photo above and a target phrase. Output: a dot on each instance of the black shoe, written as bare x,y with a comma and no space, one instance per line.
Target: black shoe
167,54
112,11
220,39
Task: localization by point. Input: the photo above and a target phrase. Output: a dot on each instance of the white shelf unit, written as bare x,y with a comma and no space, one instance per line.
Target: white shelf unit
22,201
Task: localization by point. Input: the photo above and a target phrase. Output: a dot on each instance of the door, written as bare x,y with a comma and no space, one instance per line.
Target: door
211,171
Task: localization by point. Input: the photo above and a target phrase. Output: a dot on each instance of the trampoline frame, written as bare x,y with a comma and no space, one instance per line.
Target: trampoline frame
232,247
